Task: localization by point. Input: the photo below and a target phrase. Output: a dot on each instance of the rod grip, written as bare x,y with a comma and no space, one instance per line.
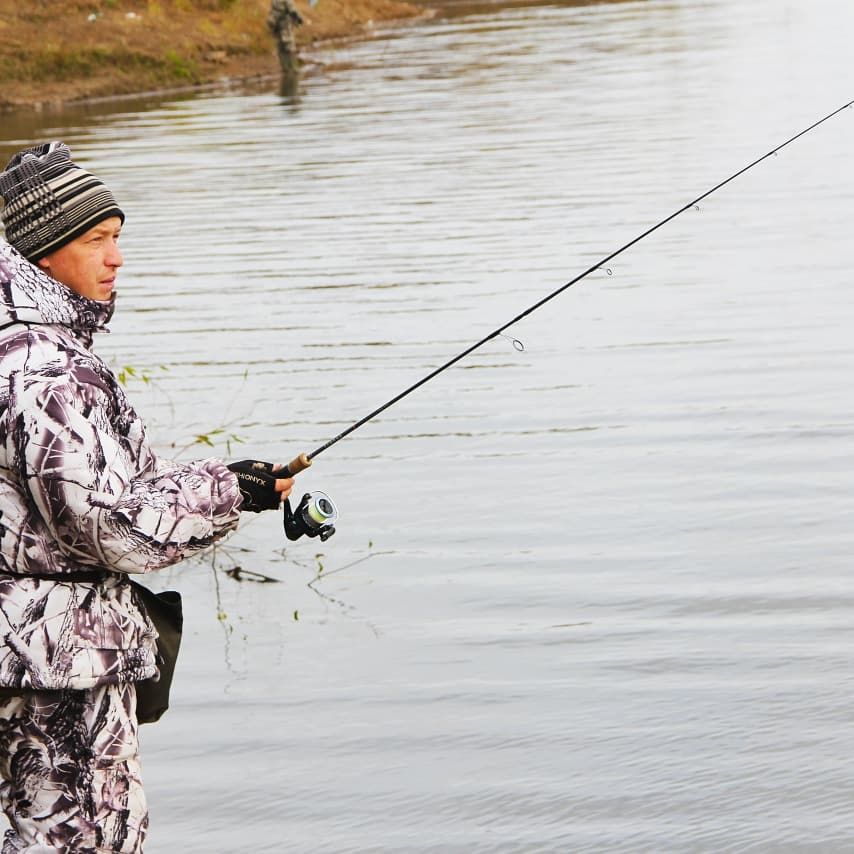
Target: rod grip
297,464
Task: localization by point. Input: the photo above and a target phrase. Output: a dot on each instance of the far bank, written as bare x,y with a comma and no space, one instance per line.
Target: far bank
56,53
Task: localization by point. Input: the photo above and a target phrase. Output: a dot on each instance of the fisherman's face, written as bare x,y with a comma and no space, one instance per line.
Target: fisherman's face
89,264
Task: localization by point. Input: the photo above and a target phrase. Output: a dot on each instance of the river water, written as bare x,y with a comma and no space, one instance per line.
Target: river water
593,595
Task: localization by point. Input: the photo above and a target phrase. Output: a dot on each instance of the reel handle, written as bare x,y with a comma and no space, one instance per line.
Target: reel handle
297,464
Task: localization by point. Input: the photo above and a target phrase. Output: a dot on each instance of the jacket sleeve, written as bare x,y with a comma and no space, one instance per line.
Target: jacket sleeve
105,498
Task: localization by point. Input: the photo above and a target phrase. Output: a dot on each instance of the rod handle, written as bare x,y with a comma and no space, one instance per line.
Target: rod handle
297,464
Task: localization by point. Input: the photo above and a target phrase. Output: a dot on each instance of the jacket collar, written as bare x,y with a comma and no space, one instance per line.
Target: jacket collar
29,295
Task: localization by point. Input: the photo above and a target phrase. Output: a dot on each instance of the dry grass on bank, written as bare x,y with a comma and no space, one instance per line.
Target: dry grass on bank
53,51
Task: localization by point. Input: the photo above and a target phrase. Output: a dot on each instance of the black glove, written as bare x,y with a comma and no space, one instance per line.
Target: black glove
258,485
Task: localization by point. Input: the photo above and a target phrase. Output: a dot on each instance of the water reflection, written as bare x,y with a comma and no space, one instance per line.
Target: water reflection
467,8
21,129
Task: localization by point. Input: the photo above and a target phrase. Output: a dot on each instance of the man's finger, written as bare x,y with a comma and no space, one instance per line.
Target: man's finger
286,483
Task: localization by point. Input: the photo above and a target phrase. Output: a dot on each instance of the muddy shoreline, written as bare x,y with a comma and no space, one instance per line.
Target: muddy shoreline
59,54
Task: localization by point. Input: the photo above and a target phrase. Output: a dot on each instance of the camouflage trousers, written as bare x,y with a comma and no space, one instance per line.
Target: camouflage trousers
69,762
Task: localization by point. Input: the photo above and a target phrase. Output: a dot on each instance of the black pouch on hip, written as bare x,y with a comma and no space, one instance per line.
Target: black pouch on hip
164,610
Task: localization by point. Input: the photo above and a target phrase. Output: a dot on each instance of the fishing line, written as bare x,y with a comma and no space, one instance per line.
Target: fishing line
304,460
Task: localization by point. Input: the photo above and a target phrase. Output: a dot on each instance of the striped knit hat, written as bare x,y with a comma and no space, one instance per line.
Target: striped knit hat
48,201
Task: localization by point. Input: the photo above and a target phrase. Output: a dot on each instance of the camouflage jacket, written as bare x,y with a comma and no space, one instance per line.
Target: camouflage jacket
82,492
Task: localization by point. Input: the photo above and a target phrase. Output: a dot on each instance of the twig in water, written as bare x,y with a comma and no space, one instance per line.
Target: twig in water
238,573
322,574
340,603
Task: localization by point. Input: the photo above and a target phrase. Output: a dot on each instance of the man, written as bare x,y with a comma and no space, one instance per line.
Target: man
84,502
281,21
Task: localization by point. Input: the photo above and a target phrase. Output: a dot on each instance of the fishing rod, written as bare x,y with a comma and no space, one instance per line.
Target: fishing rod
317,513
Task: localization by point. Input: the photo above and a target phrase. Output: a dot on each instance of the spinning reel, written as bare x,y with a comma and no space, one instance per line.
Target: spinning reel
315,516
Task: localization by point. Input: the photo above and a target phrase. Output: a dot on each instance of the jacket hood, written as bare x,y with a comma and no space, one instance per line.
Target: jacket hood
29,295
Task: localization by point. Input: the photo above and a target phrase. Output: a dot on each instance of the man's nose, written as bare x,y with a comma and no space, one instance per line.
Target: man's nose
114,256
